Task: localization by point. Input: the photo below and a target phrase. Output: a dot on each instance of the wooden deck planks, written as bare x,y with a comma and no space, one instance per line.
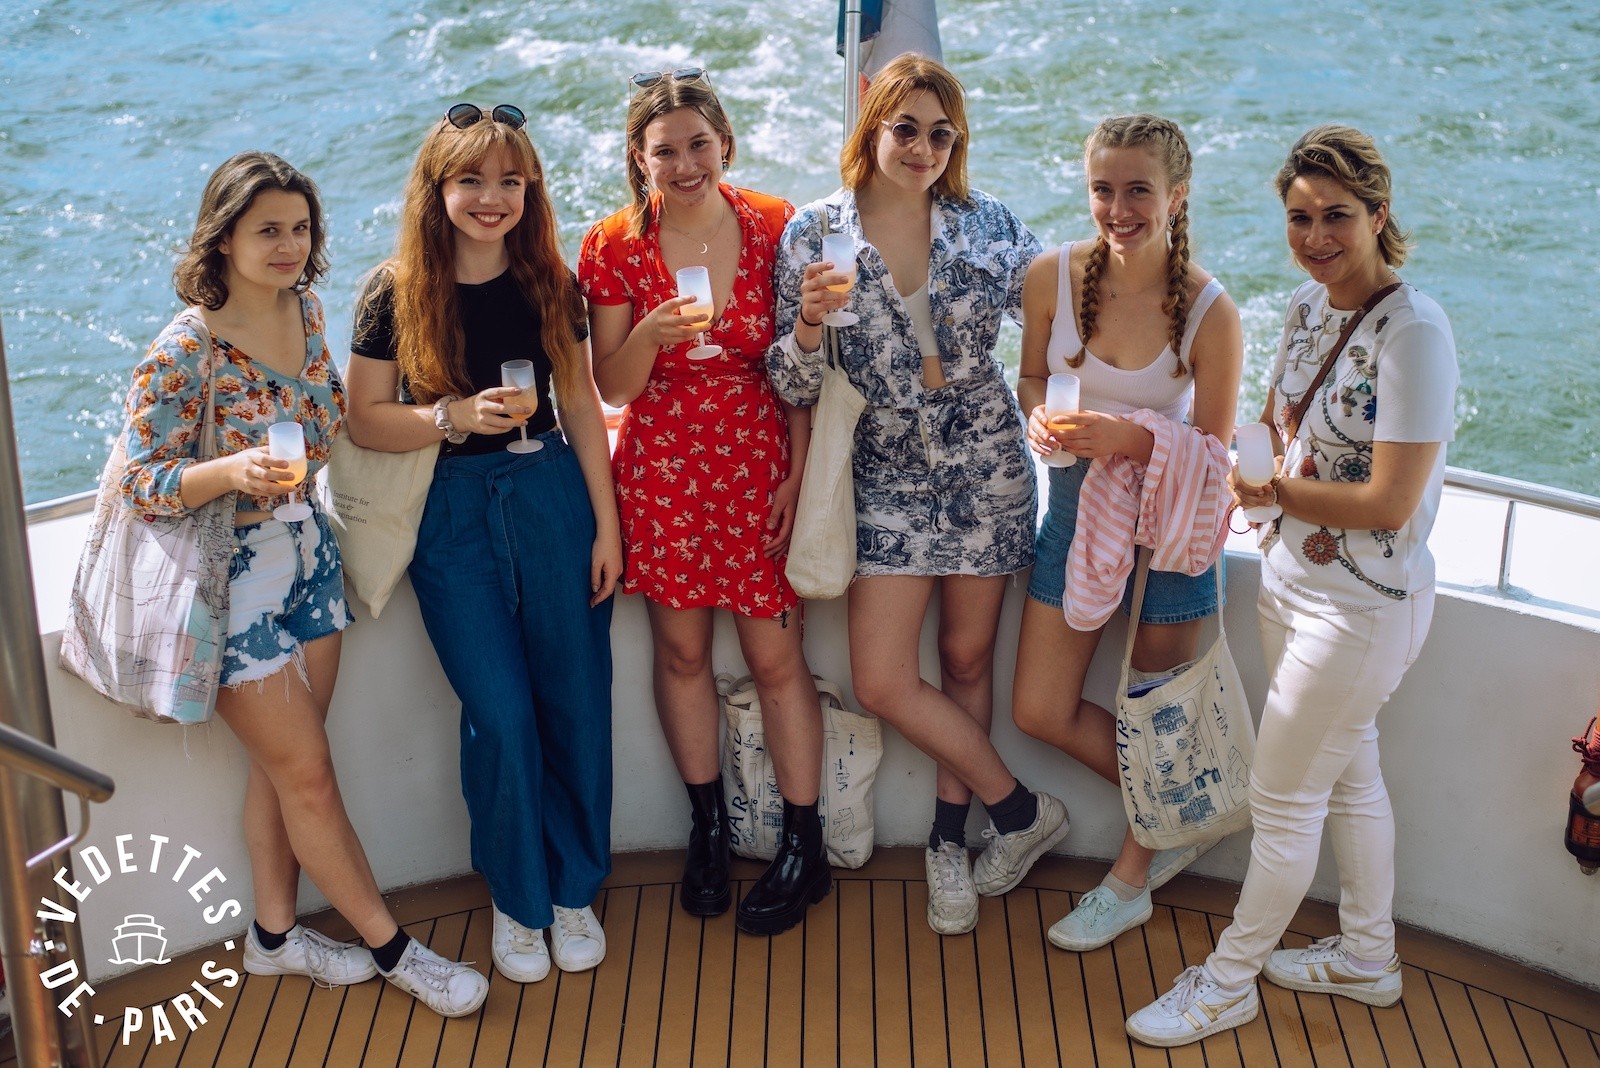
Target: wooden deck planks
863,981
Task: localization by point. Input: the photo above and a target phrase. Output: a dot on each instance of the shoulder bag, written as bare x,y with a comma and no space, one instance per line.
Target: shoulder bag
852,745
148,619
374,503
1184,744
822,549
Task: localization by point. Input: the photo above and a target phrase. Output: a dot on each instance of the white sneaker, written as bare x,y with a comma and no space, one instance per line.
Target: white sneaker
1167,863
519,951
952,899
1323,968
448,987
311,953
1007,858
576,940
1194,1008
1100,917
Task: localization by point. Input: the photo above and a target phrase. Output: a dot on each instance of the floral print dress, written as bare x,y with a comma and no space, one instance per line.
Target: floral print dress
168,399
705,446
943,480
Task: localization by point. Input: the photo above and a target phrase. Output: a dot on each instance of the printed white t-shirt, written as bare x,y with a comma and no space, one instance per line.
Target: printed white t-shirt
1395,381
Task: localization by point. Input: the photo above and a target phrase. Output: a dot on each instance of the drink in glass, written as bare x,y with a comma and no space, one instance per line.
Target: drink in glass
696,282
1060,401
287,442
519,374
840,250
1256,466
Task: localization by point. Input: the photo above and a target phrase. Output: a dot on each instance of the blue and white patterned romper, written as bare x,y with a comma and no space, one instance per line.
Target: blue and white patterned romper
944,483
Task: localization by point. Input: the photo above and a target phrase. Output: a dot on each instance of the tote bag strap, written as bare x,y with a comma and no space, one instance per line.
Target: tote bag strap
1138,605
830,334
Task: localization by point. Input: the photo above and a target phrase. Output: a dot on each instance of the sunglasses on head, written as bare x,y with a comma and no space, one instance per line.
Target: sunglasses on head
905,134
464,115
646,78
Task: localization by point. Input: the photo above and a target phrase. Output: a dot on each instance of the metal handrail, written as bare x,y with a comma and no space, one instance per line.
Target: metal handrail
32,756
1513,492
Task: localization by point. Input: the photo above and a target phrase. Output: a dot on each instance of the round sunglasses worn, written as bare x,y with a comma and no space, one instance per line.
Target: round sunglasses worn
905,134
464,115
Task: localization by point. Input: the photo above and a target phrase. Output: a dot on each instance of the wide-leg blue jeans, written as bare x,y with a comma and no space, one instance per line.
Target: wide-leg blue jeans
501,573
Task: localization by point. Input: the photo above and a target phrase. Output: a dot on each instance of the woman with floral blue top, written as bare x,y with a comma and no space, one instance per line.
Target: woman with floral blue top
945,489
253,335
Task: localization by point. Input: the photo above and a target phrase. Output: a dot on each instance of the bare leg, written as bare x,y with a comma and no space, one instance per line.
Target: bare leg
969,614
686,690
280,723
886,614
791,716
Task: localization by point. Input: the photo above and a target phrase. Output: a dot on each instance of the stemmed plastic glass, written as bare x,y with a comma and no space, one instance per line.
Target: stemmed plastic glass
1256,467
519,374
287,442
1060,398
840,250
696,282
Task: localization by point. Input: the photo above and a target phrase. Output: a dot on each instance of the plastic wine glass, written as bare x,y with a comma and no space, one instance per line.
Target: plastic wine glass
519,373
696,282
1256,468
1060,399
840,250
287,442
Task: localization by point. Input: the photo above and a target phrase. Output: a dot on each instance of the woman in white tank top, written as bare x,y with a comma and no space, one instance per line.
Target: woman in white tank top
1144,328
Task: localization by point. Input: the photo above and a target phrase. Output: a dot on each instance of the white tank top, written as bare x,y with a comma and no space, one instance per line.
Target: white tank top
920,309
1105,388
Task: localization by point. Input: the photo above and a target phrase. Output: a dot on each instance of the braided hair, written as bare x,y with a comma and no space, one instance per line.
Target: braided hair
1163,138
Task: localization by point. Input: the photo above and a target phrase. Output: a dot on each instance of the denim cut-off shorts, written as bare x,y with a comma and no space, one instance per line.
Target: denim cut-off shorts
1169,597
285,588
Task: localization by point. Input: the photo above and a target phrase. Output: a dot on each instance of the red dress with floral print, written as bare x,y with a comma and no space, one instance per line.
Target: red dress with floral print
705,446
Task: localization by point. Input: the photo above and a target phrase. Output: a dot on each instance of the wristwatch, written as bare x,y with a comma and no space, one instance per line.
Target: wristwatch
441,419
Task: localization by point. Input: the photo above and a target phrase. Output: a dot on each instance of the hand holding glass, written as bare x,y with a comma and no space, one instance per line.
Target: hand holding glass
840,250
696,282
519,373
1256,467
1060,399
287,442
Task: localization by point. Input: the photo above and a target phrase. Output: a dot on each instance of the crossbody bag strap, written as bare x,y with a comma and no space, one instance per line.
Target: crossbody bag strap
208,428
1350,325
830,334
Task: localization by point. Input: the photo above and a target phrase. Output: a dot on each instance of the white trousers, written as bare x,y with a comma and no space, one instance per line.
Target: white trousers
1317,762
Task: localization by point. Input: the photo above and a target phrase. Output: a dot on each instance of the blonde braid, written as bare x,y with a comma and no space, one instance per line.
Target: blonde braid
1088,299
1176,304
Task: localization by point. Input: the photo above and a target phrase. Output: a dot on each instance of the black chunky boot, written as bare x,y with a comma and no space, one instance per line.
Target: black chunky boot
705,870
799,876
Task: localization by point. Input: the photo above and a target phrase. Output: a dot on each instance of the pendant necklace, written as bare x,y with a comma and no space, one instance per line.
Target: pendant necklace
705,243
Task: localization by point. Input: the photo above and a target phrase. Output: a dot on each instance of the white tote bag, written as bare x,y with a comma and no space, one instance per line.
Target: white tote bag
1185,745
374,502
822,550
852,745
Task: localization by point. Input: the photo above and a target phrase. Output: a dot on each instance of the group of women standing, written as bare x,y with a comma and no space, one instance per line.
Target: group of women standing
518,552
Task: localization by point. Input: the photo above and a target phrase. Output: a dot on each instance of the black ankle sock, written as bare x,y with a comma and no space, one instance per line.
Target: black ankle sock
1019,809
949,824
388,955
269,941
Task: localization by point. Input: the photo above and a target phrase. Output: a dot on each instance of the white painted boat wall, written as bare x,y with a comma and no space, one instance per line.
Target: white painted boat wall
1475,751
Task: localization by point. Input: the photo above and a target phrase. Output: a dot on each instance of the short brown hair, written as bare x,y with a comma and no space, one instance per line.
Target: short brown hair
907,74
232,188
1352,159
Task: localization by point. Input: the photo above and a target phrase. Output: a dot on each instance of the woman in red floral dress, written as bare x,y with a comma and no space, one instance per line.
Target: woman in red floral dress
707,470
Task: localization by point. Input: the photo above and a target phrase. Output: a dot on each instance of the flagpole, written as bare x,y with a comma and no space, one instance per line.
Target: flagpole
852,65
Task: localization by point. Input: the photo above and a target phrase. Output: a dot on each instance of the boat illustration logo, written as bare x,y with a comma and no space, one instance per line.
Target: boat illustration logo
140,940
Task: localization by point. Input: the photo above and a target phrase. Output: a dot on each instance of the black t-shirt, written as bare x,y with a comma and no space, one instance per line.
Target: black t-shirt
499,323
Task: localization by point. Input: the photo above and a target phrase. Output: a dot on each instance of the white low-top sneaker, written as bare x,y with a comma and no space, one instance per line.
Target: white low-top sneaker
1100,917
519,951
307,952
1194,1008
952,899
1324,967
1007,858
448,987
576,940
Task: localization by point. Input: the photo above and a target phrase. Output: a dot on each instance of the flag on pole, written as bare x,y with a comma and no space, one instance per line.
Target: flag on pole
890,28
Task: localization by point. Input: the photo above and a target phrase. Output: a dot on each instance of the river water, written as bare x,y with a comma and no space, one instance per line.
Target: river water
113,115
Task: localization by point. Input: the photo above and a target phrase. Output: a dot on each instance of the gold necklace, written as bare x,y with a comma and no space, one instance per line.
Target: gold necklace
705,243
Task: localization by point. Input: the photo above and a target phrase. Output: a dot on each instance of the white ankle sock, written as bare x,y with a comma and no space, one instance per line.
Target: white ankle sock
1124,891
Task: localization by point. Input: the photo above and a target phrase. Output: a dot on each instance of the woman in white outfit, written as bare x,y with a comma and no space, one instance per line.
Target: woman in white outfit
1347,591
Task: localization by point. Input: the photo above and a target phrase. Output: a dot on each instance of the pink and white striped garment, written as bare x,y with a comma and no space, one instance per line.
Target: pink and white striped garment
1177,505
